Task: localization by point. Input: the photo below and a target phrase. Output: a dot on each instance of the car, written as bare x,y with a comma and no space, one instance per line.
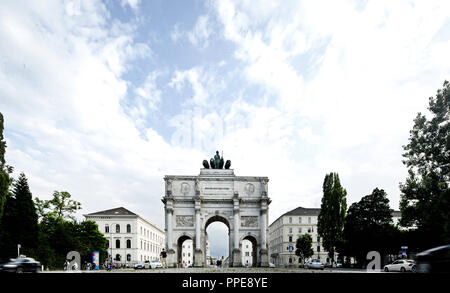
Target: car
154,264
271,265
315,263
434,260
21,265
142,265
401,265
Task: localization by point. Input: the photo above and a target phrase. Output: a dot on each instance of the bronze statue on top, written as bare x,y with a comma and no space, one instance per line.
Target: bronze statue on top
217,162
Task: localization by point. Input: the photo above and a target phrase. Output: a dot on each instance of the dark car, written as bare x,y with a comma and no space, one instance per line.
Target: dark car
21,265
434,260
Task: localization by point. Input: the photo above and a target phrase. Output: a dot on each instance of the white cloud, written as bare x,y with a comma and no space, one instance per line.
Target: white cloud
373,69
201,32
199,35
134,4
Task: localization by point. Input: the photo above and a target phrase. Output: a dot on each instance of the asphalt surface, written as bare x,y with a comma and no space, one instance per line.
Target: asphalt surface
222,270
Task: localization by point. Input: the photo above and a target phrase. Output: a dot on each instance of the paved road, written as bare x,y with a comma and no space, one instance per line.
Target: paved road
221,270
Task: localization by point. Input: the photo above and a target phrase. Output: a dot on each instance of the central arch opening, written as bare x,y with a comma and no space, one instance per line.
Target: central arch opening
185,251
249,249
217,242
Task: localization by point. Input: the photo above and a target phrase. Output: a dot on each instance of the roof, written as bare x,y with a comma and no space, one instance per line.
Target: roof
114,212
303,211
300,211
122,212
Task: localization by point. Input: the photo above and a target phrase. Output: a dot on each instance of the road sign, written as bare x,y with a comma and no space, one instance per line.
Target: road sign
291,248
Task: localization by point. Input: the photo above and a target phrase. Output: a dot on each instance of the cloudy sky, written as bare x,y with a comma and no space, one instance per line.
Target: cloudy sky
102,99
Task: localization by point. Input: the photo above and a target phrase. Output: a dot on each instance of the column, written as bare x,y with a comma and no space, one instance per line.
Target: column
263,253
236,228
237,260
197,229
198,253
171,261
263,229
169,212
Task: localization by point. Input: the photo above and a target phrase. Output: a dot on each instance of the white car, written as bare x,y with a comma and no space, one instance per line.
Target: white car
315,263
271,265
154,264
401,265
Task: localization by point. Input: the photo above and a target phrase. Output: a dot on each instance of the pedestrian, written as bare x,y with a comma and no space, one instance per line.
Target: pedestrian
163,256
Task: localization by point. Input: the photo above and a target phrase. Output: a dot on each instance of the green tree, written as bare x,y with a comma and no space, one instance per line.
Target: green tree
59,207
20,222
368,227
60,233
332,213
425,196
5,171
90,239
304,247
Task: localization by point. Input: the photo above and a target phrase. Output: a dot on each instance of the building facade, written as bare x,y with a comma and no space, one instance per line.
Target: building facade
285,231
131,238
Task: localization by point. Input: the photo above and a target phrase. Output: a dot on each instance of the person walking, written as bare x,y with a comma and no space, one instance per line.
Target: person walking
163,256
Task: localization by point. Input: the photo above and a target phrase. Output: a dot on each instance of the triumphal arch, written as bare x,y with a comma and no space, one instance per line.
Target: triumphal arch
216,194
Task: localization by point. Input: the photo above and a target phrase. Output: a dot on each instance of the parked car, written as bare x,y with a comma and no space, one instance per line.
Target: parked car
315,263
21,265
434,260
401,265
142,265
154,264
271,265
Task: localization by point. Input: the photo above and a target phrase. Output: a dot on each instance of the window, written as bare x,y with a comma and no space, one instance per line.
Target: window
290,238
247,253
290,230
107,241
299,230
299,220
290,260
117,243
118,257
318,238
290,220
128,257
117,228
106,229
128,228
309,220
318,248
128,243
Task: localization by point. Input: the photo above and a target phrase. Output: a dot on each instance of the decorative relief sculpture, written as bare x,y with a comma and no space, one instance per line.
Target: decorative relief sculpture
185,221
249,221
249,188
185,188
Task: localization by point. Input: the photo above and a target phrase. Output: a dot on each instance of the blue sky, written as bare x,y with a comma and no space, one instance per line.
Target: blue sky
103,99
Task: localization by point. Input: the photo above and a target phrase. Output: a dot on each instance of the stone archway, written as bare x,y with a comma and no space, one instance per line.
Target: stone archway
213,219
179,257
193,202
254,253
